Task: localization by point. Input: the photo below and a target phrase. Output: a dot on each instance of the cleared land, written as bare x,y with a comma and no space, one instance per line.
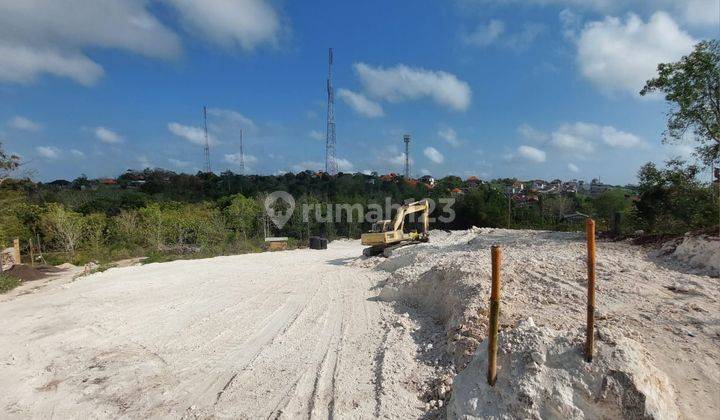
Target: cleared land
327,334
288,334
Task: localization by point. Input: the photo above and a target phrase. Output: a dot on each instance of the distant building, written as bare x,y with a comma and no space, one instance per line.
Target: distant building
391,177
539,184
516,188
473,182
597,187
427,179
60,183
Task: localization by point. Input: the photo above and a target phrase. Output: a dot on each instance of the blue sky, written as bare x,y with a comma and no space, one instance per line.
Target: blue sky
491,88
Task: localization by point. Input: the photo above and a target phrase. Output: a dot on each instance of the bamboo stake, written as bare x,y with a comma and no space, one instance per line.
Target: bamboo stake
494,315
16,245
590,326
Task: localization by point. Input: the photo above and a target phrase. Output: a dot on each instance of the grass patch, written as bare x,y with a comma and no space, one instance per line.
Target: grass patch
7,283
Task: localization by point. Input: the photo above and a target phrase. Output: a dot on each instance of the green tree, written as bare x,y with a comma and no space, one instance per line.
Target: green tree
610,202
95,229
243,215
126,228
692,87
8,164
672,200
64,227
153,224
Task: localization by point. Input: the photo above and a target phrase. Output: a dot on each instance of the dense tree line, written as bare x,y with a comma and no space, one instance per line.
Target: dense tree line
161,213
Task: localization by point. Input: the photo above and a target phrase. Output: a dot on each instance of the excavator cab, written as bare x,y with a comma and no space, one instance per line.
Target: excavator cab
380,226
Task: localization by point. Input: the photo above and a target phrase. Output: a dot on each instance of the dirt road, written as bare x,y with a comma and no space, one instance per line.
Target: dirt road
288,334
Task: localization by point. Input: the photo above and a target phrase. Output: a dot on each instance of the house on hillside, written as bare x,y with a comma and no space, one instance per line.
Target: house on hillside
428,180
60,183
473,182
570,187
597,187
516,188
538,184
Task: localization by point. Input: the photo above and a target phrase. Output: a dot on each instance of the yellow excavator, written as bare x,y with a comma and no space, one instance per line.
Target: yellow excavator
387,234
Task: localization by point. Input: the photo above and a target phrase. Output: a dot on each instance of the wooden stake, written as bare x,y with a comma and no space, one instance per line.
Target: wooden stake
590,326
32,255
494,315
16,245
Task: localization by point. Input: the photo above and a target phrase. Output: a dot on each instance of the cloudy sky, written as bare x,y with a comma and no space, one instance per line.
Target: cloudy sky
491,88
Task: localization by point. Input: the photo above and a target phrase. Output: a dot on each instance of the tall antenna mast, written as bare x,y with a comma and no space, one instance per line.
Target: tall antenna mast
406,139
207,143
242,155
330,161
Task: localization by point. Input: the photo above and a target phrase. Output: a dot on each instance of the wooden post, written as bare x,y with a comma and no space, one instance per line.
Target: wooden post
16,245
32,254
494,315
590,326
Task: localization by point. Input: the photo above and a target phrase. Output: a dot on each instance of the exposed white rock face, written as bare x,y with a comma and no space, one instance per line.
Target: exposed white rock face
542,374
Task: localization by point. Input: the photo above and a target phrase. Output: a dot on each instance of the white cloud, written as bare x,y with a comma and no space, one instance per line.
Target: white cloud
144,162
573,168
47,36
531,154
48,152
401,83
22,123
77,153
433,154
360,103
450,136
316,135
228,120
532,134
392,158
494,32
230,23
619,55
195,135
106,135
702,13
620,139
179,163
575,138
234,158
582,138
344,165
485,33
51,37
23,64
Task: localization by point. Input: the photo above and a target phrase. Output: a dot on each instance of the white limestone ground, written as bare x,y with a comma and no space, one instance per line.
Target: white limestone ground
317,334
286,334
664,309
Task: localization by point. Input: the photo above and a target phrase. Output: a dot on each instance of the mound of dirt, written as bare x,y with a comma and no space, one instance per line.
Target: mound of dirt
27,273
659,302
701,251
542,374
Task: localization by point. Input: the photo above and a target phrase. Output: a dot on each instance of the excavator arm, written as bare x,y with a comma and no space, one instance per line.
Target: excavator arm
416,207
